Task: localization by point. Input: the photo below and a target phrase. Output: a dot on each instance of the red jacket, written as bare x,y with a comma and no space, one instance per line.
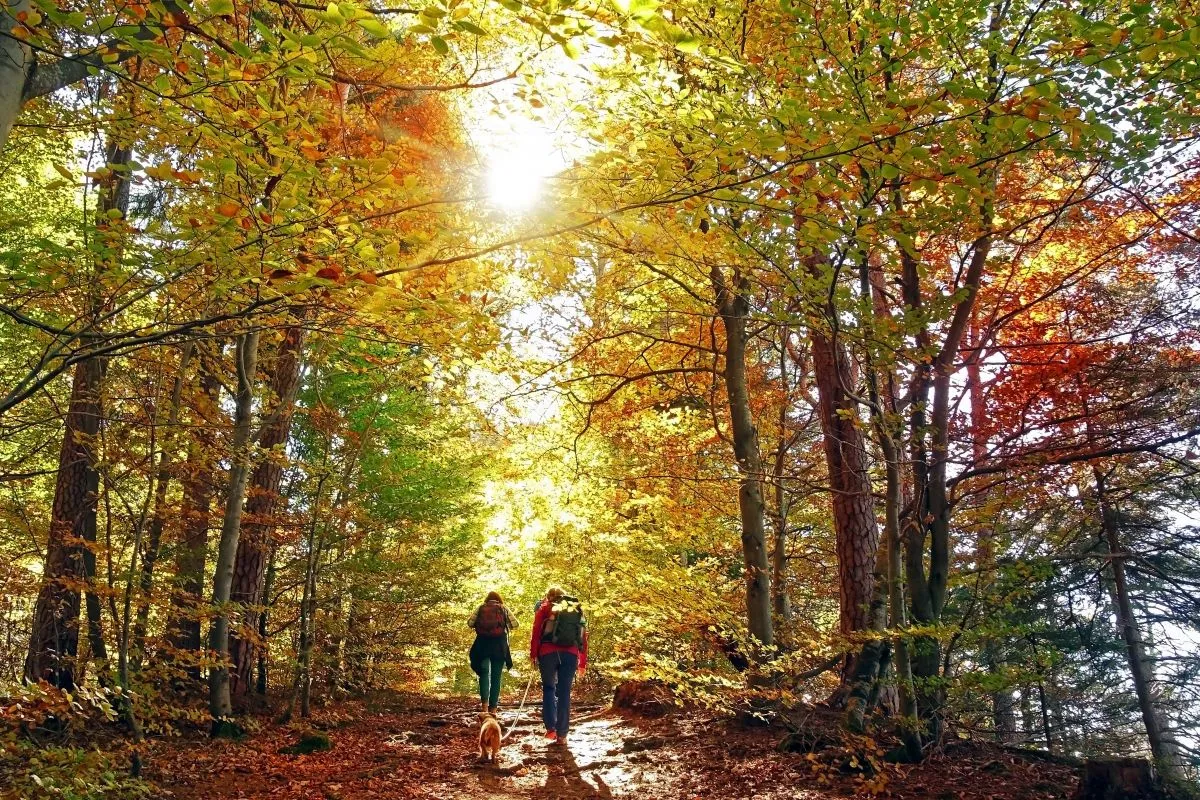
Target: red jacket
539,648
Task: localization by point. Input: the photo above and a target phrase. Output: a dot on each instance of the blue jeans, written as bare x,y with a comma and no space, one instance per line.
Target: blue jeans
558,675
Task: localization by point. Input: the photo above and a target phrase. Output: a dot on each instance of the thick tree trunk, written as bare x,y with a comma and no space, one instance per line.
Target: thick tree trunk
850,485
869,665
733,306
195,518
262,504
16,58
54,643
855,527
1116,778
219,701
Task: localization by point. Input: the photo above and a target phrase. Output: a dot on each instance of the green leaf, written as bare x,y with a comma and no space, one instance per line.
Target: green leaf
440,45
374,27
470,27
688,44
332,14
221,6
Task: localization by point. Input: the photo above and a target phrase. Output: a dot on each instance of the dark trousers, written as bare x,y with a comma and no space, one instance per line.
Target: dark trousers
491,673
558,675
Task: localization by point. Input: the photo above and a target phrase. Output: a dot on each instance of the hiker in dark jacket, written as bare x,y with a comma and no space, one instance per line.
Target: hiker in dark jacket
559,648
490,653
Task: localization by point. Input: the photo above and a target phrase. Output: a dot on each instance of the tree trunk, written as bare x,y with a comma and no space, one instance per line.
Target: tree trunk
262,503
1162,745
219,702
195,518
1117,779
16,57
928,521
54,640
733,306
869,665
158,519
780,602
260,687
850,486
302,682
54,643
1004,718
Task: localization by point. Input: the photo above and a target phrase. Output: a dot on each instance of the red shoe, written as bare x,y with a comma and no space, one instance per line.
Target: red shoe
551,736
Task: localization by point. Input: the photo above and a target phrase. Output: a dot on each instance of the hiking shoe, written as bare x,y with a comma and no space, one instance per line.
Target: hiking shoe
551,736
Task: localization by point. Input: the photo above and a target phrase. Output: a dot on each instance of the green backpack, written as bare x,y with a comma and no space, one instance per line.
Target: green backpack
565,624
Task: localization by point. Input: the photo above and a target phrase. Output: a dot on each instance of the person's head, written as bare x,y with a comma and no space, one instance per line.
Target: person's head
494,596
555,593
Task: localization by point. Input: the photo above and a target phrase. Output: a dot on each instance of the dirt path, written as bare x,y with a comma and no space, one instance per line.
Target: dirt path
418,752
592,765
415,747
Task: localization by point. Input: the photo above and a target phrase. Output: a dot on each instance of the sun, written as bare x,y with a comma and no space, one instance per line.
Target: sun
521,158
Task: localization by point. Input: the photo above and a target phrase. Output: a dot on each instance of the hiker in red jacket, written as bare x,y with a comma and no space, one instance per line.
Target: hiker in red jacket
559,648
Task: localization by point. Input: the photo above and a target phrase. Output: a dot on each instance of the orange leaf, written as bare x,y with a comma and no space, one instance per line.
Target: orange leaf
228,209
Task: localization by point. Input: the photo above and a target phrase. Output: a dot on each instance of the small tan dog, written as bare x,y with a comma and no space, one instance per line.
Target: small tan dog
489,737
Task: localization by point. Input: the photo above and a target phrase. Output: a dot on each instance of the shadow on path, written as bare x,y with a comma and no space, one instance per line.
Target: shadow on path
564,777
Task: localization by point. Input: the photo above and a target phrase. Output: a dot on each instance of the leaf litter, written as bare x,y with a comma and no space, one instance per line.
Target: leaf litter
418,747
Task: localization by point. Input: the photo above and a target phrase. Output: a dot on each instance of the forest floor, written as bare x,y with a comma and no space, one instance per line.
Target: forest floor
410,747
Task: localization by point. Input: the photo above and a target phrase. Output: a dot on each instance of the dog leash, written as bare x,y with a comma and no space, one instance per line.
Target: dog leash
519,709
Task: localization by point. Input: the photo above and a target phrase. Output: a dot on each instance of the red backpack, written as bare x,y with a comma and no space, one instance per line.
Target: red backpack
491,621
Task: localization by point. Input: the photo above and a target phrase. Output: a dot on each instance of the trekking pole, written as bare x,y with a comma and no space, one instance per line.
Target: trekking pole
525,697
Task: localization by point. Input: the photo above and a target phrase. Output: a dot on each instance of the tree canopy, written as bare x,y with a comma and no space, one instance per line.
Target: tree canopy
838,353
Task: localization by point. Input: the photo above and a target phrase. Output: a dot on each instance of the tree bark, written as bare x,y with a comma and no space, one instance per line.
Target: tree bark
856,530
733,306
158,517
1162,745
219,701
1004,717
853,505
54,640
54,643
260,687
195,518
927,522
16,58
262,505
780,600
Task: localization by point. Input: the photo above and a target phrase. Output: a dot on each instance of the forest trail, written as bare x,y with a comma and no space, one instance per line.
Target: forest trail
424,748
